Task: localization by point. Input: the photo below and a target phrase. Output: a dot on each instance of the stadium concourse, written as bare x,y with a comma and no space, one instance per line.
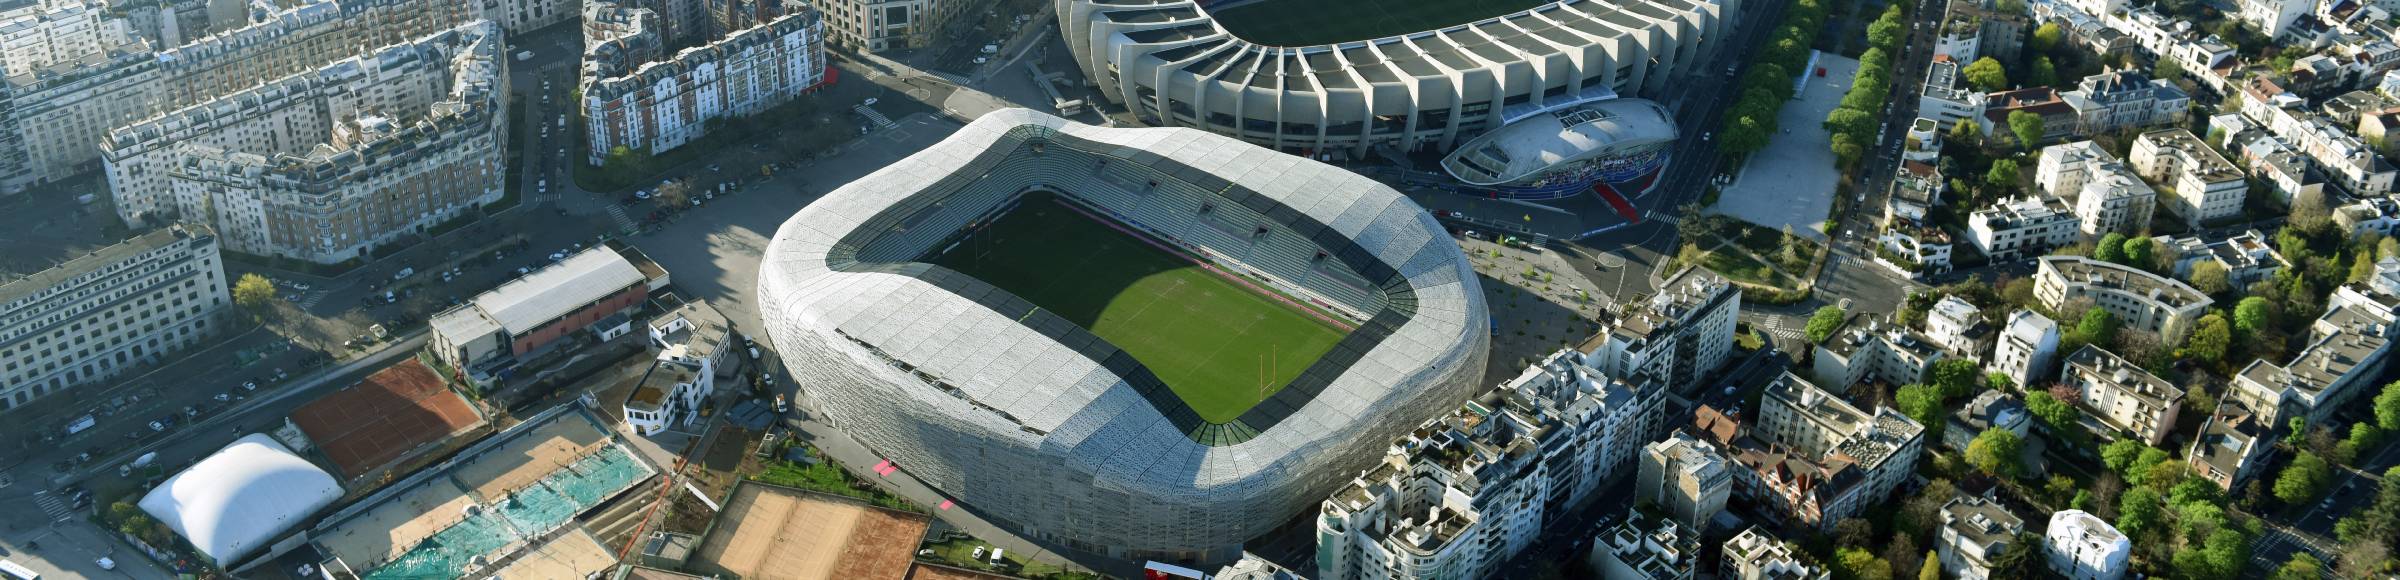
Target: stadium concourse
1142,343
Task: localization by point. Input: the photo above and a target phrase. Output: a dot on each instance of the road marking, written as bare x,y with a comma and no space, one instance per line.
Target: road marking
617,212
880,121
55,507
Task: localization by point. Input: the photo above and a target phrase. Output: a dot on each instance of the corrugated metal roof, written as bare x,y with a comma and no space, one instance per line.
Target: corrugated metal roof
523,304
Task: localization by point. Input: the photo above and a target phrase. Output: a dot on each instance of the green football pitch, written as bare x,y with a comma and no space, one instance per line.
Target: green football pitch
1221,346
1314,22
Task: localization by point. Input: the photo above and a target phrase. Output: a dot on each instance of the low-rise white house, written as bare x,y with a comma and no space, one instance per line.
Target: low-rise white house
1958,326
2080,546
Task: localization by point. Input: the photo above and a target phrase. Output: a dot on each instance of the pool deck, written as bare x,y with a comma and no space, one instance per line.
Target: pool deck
400,519
571,554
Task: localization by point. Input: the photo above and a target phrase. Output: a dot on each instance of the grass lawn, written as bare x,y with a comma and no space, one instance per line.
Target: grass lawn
1221,346
1313,22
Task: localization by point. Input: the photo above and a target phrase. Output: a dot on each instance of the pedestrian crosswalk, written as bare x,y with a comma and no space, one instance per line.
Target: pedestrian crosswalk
617,212
1784,330
54,506
880,121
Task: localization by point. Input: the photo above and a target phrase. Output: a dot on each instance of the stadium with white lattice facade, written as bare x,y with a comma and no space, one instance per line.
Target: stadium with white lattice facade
1142,343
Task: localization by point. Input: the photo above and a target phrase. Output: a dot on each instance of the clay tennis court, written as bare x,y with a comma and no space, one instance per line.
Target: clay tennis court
777,533
379,420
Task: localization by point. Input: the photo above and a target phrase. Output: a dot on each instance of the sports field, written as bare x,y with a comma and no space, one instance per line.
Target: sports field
1221,346
1313,22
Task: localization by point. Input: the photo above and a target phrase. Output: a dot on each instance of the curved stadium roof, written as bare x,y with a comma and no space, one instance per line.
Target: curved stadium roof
1033,420
240,498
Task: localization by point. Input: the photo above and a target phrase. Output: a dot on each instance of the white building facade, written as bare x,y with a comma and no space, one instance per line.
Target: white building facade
96,316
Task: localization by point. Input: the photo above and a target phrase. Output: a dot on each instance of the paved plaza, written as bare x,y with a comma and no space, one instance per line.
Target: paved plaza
1790,182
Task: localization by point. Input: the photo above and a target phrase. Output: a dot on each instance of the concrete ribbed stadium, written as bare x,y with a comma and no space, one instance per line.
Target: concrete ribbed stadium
1173,64
1036,424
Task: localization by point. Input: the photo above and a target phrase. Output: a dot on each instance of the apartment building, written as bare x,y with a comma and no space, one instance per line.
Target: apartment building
1975,531
324,166
2246,257
2202,186
2124,99
1943,100
2272,17
61,115
639,98
2022,227
695,346
2027,348
1989,409
118,308
522,16
1957,326
881,25
1812,459
1757,554
2108,196
1877,352
1678,337
1685,476
1464,492
2065,167
2234,447
2126,400
2140,300
51,33
2346,160
2081,546
1647,547
2348,349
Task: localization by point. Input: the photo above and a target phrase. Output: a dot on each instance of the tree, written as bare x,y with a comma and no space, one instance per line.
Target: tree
1955,376
2047,37
2301,567
1846,150
2365,437
1861,564
2387,407
2119,455
1822,324
2111,248
2044,74
1848,121
1884,34
1853,535
2168,71
2003,175
1690,228
1933,567
673,196
2139,511
2251,315
2141,253
2210,277
2303,479
2027,126
1965,131
1995,452
253,291
2138,472
2060,417
1924,404
2210,338
1986,74
2220,558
